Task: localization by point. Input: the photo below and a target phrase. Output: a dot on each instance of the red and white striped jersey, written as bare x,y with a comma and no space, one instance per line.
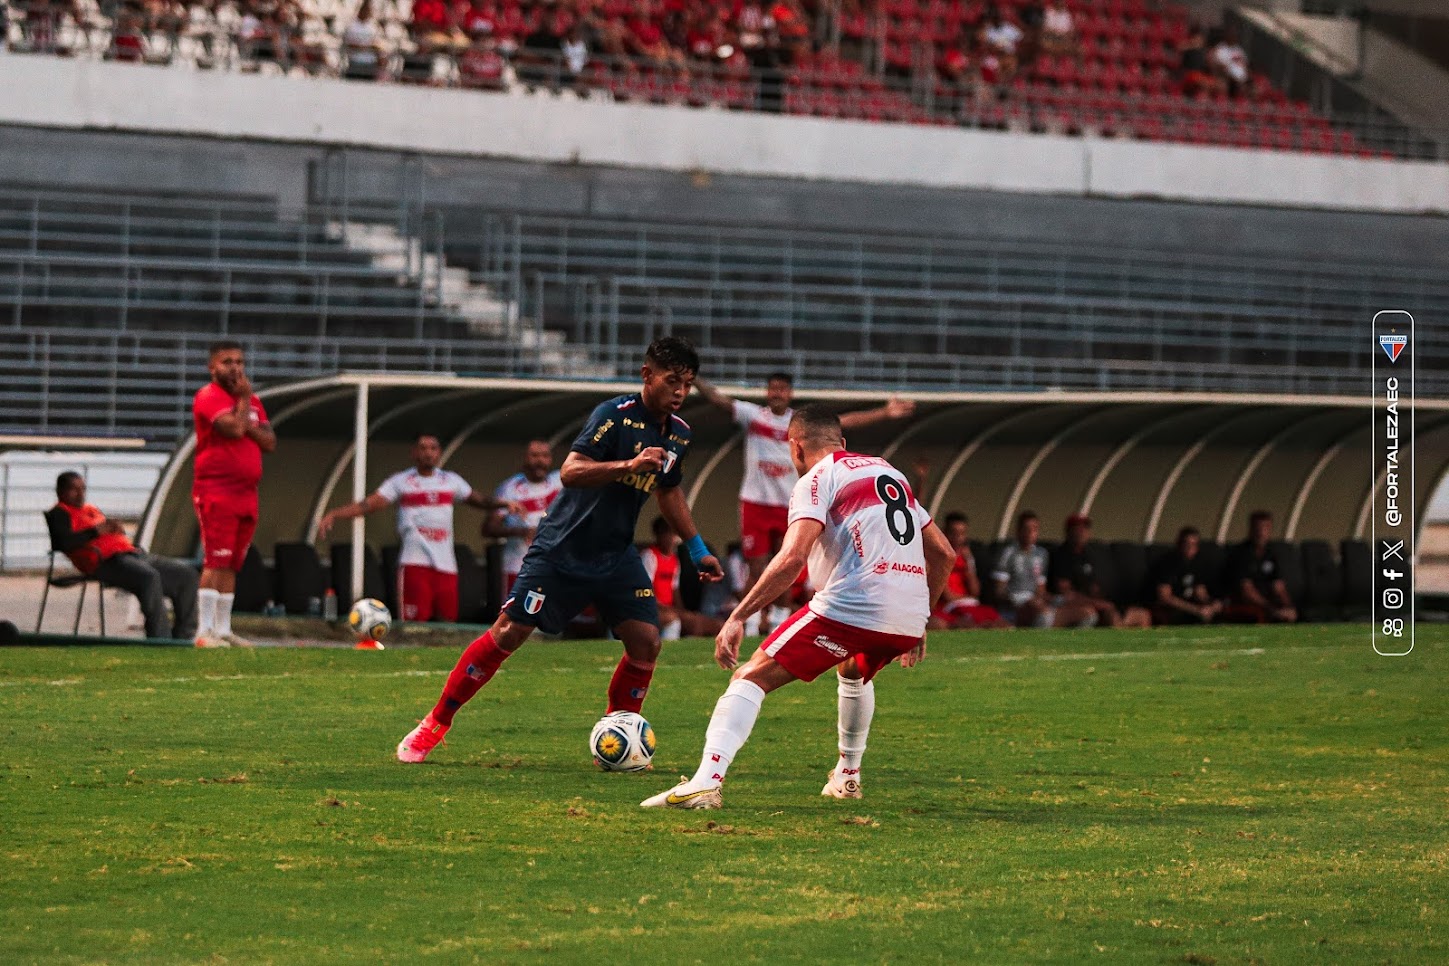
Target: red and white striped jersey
769,472
870,560
535,498
425,516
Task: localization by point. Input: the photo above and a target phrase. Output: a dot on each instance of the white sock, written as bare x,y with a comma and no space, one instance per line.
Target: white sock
857,707
223,613
206,599
752,625
729,728
777,615
670,631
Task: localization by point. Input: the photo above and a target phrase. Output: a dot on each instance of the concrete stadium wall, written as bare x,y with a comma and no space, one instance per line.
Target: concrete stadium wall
54,92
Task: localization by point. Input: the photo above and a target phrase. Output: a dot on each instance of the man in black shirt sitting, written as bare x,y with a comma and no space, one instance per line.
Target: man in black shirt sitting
1076,575
1258,592
1182,585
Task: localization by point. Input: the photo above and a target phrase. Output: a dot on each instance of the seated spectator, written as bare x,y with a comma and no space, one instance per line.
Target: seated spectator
960,606
1182,585
435,25
481,20
1229,62
661,563
1000,39
100,547
1020,584
482,66
1258,592
363,45
1075,578
1197,77
1058,30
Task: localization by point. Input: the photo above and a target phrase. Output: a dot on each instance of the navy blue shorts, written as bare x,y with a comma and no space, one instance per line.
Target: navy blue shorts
548,595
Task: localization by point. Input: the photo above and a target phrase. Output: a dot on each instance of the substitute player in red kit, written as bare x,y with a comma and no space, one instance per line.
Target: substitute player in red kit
631,448
879,562
427,564
232,433
769,475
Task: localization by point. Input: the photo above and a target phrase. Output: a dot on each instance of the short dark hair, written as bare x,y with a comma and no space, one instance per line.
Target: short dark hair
1186,532
222,345
784,377
660,525
1257,515
672,352
816,426
1026,515
956,516
64,479
423,434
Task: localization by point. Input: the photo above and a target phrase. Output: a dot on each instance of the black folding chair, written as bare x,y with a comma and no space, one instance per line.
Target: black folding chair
71,580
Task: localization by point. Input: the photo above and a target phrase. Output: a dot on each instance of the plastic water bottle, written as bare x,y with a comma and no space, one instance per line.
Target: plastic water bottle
314,606
329,606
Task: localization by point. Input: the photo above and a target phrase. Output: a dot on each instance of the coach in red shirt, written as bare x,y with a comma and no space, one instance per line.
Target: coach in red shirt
232,433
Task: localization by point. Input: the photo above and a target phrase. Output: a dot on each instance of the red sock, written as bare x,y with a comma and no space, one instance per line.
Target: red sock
629,685
478,663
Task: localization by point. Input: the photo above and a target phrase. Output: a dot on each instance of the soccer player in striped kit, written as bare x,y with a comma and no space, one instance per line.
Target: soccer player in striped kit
879,562
769,474
424,495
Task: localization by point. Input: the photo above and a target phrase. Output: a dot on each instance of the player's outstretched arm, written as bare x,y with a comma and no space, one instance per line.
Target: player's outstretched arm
487,501
895,408
373,503
712,394
675,509
580,471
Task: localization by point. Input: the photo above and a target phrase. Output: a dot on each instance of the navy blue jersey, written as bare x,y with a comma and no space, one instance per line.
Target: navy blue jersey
593,526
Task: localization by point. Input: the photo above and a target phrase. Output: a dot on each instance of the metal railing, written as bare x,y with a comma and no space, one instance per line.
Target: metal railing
215,259
506,248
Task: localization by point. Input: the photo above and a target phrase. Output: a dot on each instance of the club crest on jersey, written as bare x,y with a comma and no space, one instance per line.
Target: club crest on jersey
1393,345
670,458
532,602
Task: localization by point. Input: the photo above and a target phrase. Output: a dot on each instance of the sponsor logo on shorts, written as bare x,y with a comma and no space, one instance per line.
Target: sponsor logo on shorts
826,644
223,552
533,602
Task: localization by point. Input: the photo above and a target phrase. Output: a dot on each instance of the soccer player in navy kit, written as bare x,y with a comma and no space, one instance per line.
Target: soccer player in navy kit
631,448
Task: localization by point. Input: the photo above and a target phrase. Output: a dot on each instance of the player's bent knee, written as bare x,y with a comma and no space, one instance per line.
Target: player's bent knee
509,634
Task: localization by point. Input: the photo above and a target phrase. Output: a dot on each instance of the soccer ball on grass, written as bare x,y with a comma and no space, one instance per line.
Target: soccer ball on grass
369,619
622,741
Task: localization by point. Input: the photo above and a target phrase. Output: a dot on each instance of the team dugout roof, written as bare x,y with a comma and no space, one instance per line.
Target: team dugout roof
1141,464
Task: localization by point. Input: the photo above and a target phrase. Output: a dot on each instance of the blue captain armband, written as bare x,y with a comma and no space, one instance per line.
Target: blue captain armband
697,550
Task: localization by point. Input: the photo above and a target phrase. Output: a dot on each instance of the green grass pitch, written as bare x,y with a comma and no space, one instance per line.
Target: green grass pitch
1215,796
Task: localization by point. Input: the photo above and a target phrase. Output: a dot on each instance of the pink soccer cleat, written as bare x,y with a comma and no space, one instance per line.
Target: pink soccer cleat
421,740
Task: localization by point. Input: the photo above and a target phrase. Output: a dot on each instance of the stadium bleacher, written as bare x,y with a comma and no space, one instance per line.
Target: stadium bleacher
167,263
905,61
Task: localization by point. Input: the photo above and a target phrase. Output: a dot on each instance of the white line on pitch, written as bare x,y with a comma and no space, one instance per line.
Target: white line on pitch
1003,658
